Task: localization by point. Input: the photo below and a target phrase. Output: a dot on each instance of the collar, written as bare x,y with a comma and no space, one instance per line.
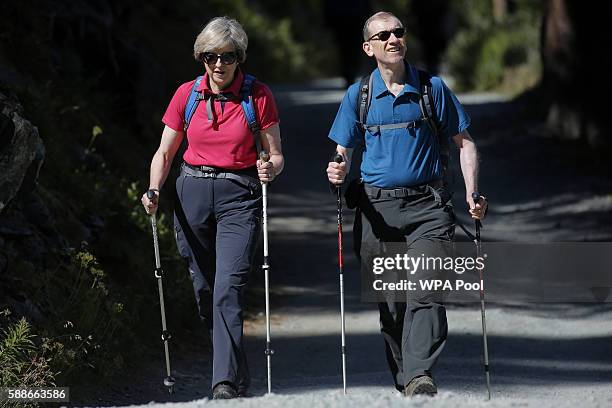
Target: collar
379,89
233,88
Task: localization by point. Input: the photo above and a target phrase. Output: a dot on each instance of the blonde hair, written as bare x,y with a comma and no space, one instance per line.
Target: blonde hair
218,33
381,15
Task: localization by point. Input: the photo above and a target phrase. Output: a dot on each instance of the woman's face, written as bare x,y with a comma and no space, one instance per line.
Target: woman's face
221,66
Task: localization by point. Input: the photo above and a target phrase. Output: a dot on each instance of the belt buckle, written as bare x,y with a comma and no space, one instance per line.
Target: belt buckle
207,172
399,192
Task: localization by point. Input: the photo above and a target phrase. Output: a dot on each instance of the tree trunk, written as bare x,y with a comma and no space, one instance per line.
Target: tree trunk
573,54
500,9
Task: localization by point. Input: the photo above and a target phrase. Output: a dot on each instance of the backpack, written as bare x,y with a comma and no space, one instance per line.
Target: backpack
246,100
428,112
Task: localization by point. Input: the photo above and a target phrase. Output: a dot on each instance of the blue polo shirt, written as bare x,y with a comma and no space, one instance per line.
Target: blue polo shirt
399,157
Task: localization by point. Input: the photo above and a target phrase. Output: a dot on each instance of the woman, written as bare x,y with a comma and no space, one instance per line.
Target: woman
217,218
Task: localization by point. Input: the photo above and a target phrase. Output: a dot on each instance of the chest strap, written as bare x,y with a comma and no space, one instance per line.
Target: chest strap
374,129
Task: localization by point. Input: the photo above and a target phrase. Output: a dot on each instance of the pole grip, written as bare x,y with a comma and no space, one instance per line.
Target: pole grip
476,197
264,156
336,188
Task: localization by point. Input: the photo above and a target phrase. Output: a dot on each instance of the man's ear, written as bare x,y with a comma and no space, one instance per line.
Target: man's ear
367,48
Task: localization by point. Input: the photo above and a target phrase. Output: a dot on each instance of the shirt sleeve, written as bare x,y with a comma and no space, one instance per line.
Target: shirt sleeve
265,105
175,113
345,130
453,119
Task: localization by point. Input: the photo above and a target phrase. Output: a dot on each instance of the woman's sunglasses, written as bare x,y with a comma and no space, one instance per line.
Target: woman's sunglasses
227,58
385,35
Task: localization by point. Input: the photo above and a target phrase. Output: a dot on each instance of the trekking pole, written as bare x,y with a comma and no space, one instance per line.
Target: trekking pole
264,157
338,159
169,380
478,224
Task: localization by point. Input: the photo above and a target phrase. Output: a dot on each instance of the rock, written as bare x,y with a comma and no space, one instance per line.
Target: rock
36,212
20,147
14,227
7,129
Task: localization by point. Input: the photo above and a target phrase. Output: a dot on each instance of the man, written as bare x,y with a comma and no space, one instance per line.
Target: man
402,196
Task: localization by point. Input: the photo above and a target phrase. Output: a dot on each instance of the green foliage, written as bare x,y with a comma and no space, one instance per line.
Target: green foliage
164,229
486,55
94,297
78,296
274,49
21,364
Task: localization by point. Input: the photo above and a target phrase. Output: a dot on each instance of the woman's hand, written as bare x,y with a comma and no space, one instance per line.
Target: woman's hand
265,171
150,205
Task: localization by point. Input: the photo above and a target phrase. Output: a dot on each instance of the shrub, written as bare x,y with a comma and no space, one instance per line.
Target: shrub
20,363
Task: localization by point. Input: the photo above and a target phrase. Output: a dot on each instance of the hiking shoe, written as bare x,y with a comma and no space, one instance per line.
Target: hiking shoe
242,391
224,391
422,385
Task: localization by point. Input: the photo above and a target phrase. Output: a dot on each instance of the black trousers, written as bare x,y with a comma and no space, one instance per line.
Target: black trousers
217,224
414,330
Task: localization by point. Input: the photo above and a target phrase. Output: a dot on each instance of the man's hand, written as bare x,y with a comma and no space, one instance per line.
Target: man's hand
477,209
336,172
150,205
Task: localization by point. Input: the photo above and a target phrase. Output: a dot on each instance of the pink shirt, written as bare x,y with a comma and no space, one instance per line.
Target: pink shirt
226,141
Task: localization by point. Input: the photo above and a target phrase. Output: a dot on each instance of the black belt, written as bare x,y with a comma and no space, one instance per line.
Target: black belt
403,192
246,177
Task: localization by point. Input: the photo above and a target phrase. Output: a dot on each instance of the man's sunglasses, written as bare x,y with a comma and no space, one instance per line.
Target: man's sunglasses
227,58
385,35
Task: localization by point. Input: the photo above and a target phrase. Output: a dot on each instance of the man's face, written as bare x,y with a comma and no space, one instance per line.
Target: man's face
390,51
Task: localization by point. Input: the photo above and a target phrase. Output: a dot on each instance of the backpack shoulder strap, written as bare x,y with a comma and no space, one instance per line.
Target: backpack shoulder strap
364,98
426,102
364,101
248,106
192,102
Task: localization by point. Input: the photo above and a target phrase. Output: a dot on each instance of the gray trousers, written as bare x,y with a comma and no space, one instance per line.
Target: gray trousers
217,225
414,330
